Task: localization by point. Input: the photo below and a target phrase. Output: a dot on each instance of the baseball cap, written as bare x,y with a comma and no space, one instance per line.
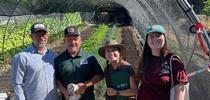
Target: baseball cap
71,30
38,27
156,28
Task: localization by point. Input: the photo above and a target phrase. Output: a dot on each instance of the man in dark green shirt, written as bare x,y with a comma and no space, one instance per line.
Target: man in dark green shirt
77,67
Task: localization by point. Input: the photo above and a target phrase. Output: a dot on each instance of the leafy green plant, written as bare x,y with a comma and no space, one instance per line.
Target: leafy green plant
111,34
15,35
91,45
96,38
206,9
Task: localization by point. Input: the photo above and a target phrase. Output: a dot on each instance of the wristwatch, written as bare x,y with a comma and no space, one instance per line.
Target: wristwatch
117,93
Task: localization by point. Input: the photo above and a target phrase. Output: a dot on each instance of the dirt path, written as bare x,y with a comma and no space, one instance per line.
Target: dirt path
132,44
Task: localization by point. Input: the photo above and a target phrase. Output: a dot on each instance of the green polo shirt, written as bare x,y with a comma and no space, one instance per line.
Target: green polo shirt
78,69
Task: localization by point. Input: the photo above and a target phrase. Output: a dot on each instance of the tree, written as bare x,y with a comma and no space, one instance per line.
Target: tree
206,9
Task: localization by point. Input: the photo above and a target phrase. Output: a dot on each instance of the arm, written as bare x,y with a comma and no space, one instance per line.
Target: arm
91,82
133,88
179,92
180,78
98,75
132,91
63,90
18,72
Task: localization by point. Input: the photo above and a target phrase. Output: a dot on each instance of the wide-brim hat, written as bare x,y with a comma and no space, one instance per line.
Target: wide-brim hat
112,43
156,28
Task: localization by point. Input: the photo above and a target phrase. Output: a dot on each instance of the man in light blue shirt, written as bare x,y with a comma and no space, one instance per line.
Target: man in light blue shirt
33,69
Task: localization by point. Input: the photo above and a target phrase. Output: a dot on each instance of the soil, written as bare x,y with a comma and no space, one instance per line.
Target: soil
133,46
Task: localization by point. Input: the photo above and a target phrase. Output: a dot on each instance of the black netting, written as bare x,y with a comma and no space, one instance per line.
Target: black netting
57,14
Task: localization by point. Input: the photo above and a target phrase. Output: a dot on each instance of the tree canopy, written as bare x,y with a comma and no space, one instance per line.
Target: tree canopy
206,9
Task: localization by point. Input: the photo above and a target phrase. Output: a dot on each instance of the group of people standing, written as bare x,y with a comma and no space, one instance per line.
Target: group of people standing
37,72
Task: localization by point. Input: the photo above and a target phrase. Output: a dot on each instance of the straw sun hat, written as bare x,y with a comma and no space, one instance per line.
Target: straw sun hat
111,43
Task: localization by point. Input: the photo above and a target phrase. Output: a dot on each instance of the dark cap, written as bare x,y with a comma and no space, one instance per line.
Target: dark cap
71,30
38,27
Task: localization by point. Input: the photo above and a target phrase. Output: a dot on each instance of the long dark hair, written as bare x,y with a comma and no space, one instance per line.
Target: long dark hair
147,55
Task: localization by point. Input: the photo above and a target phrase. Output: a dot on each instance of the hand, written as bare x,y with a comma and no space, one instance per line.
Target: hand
67,95
111,92
208,68
81,88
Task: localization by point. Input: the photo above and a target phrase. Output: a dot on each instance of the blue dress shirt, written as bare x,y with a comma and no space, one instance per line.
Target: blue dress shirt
33,75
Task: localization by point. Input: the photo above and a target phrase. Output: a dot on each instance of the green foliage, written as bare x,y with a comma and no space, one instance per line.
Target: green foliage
96,38
206,9
94,42
15,35
111,34
100,90
91,45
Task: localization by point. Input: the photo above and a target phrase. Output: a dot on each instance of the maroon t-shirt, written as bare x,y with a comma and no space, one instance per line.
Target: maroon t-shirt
156,83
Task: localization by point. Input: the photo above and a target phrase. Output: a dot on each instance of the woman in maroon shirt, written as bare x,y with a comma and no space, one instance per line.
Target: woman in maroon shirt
154,70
